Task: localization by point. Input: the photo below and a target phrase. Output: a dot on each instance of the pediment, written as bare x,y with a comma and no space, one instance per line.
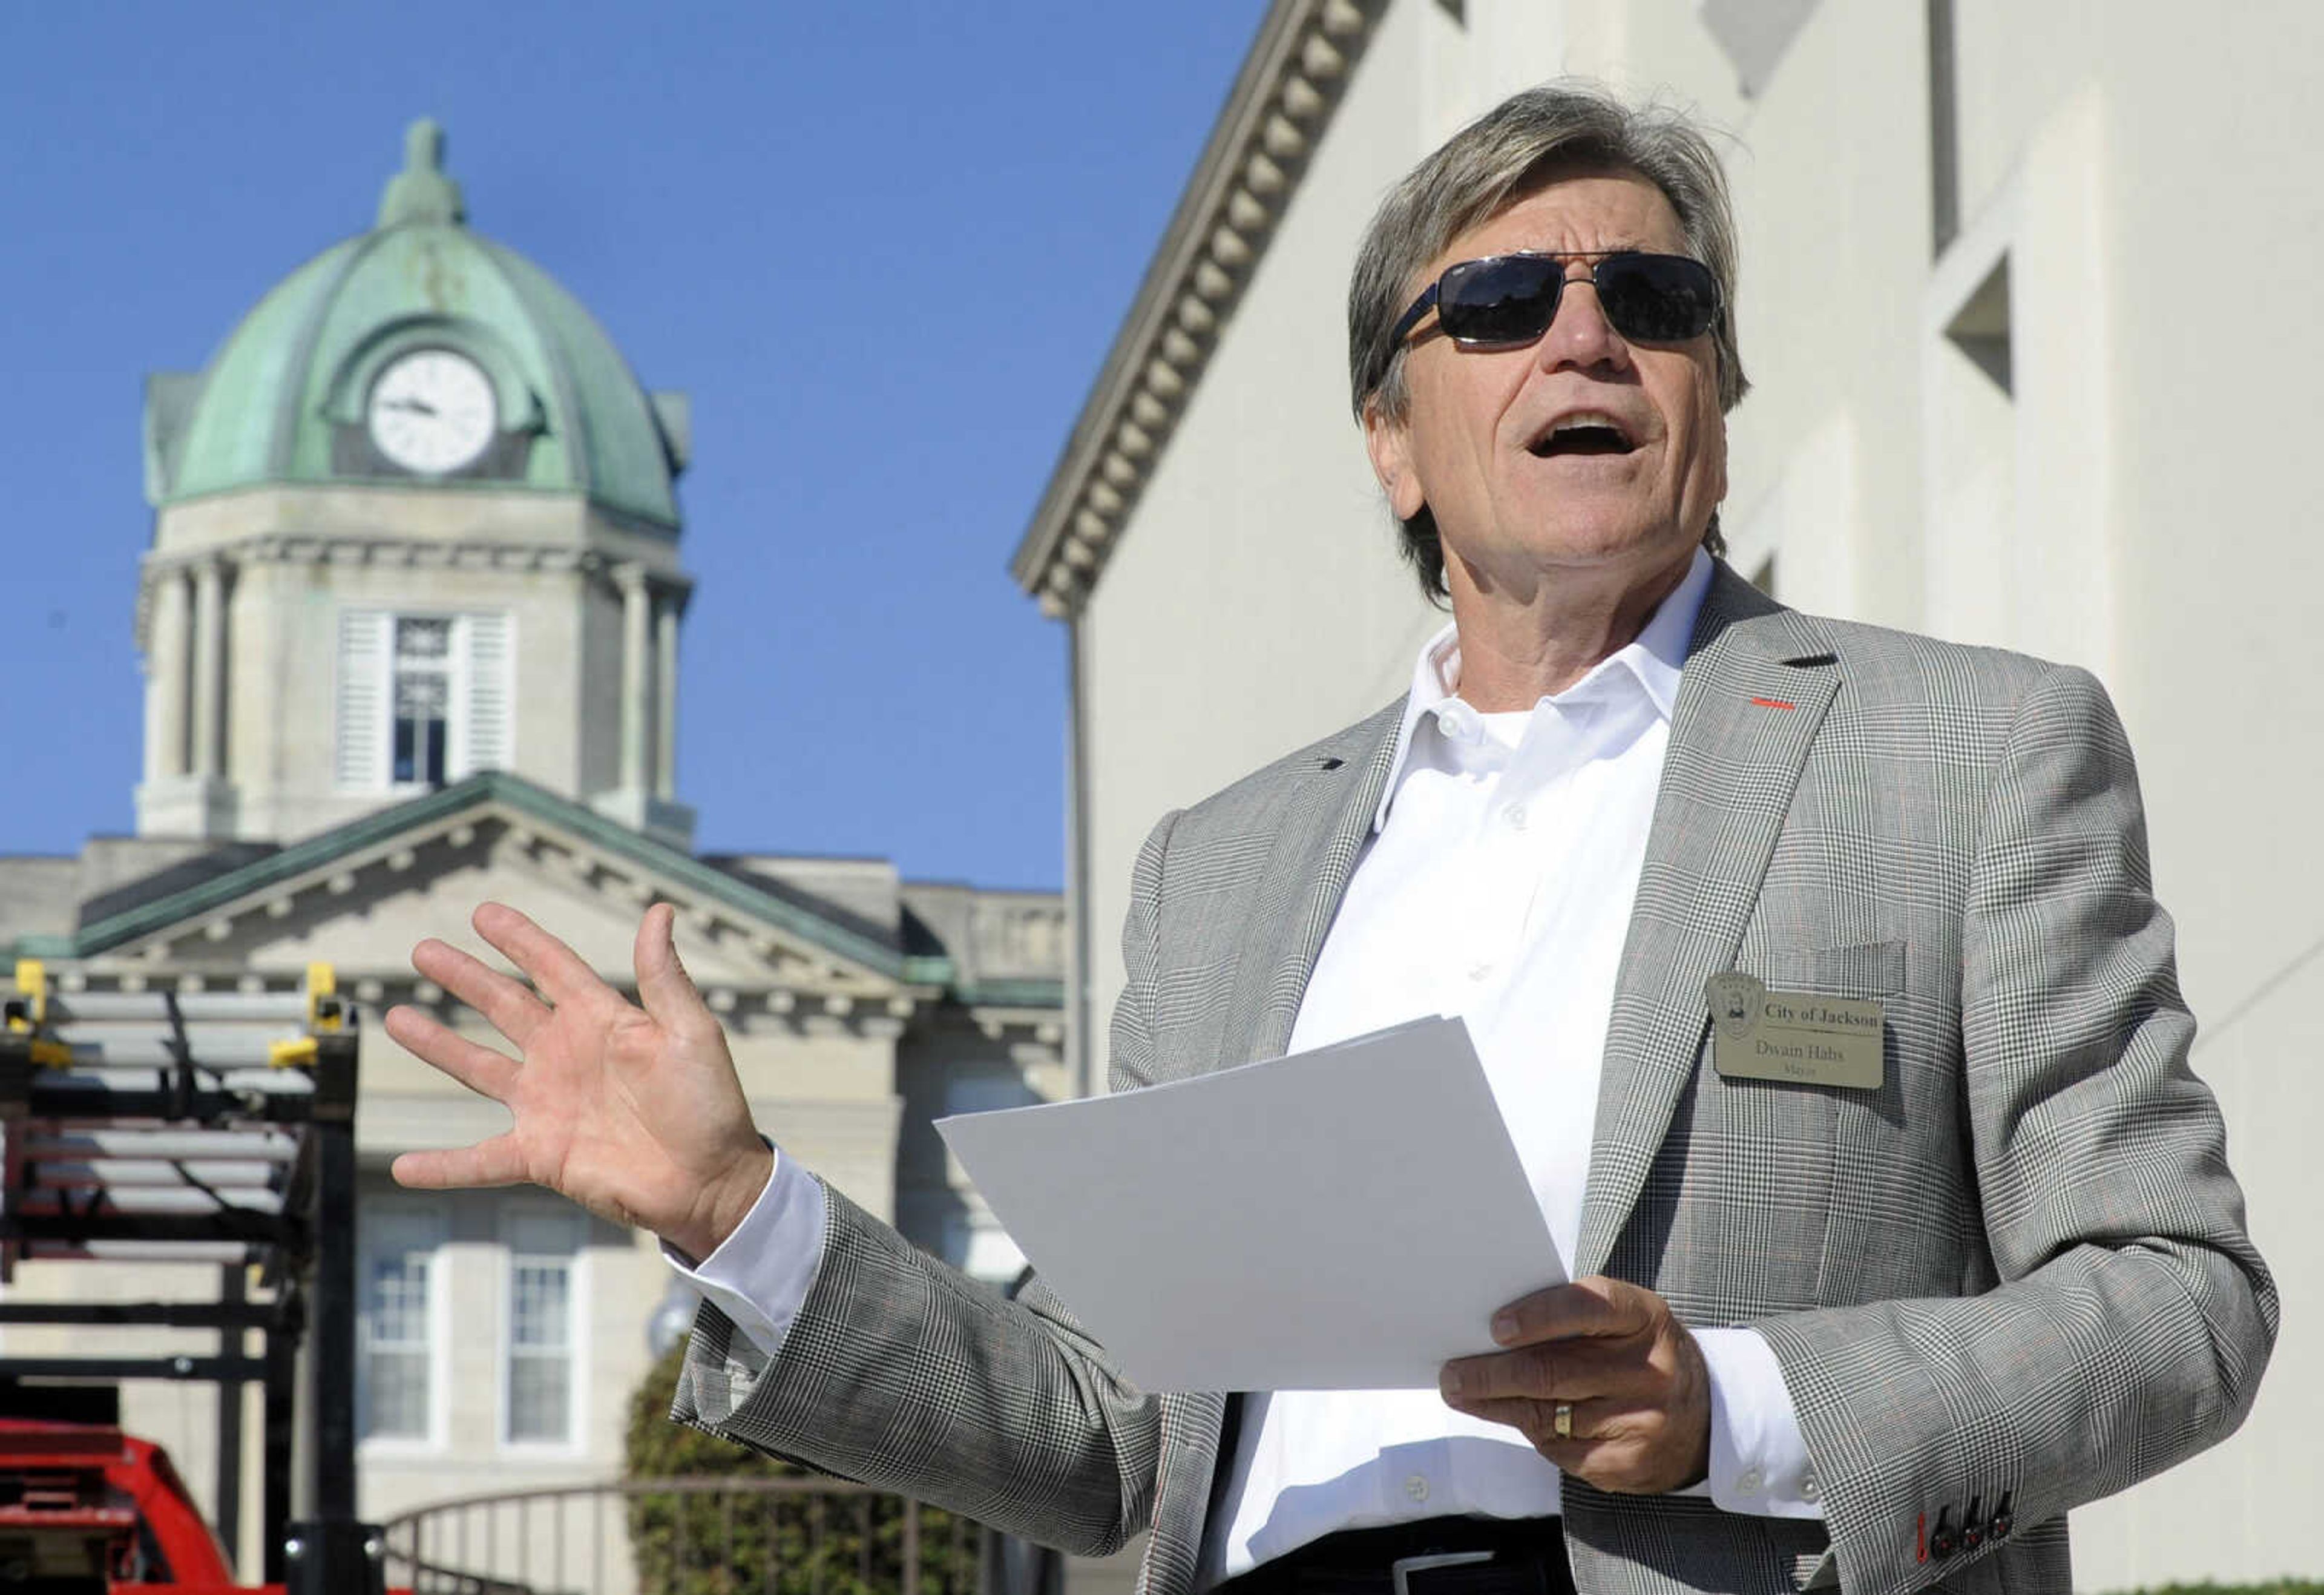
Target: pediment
362,895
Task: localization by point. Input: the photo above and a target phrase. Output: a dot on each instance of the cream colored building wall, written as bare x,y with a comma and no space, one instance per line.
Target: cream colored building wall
1832,202
2212,582
617,1281
2090,516
1256,602
2136,504
284,718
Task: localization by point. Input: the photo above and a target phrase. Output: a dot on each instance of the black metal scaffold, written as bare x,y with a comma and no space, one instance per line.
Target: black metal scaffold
147,1126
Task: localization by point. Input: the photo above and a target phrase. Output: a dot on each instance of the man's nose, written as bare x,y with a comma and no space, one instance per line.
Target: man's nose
1579,336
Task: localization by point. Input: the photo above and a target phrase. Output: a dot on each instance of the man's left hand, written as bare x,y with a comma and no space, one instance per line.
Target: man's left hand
1634,1377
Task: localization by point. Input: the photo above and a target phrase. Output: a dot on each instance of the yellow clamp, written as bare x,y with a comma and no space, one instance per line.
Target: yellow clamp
324,1015
290,1055
28,1015
32,987
322,985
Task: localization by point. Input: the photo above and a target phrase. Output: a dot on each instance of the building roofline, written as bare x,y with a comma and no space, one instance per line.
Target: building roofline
648,519
1283,101
373,831
372,836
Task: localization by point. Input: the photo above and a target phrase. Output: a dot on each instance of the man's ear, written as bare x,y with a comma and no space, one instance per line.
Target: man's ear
1389,443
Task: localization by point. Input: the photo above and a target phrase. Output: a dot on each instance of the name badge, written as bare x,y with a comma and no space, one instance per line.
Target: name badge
1757,1034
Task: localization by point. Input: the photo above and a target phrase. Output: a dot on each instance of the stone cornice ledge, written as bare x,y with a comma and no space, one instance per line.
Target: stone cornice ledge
1289,86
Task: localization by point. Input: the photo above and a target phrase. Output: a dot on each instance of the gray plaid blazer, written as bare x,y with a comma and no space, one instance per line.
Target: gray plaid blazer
2015,1276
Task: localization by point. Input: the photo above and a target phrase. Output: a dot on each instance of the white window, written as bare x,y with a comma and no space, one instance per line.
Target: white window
396,1331
423,699
544,1301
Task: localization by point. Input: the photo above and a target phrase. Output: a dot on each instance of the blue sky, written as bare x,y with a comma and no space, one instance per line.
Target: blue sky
884,245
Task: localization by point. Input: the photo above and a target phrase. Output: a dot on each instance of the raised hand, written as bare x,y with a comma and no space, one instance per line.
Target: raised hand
633,1112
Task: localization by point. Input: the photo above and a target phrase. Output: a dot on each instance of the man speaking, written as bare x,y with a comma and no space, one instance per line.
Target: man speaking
1878,1319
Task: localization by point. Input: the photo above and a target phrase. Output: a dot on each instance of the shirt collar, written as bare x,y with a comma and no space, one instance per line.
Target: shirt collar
1655,660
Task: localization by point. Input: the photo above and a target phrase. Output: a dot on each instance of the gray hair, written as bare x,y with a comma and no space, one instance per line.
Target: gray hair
1501,157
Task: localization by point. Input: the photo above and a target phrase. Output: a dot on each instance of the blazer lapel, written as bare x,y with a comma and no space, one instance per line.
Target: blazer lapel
1758,682
1325,812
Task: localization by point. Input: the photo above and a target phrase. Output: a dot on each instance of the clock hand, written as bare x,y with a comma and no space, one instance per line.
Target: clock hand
416,406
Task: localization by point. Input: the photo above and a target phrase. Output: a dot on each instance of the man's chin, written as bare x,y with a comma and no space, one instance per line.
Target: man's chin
1609,544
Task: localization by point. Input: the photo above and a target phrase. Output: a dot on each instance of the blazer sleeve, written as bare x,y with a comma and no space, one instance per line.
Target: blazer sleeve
903,1373
2133,1317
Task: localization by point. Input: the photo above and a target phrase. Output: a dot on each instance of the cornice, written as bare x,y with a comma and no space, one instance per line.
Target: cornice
1283,101
391,548
626,515
747,1007
1028,993
388,551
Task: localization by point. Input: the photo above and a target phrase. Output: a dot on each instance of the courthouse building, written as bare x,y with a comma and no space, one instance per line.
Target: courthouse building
2026,302
409,624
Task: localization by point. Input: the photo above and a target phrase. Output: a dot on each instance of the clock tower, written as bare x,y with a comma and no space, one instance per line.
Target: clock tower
414,520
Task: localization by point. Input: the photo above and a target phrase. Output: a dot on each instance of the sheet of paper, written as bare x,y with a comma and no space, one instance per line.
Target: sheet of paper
1342,1219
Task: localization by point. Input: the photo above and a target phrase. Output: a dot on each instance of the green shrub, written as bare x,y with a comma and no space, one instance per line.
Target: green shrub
735,1543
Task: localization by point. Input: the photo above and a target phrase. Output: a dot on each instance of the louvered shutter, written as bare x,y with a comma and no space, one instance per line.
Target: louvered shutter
364,638
483,737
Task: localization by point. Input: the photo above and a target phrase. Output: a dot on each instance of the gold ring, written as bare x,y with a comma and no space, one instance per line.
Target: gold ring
1562,1420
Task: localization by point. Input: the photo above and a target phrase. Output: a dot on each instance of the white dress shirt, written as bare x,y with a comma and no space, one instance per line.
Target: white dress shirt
1497,886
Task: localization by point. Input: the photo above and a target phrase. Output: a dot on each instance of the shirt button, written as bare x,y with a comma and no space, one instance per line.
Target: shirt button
1749,1480
1417,1487
1809,1488
1516,814
1480,972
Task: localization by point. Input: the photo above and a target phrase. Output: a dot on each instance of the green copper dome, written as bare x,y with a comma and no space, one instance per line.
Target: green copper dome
288,397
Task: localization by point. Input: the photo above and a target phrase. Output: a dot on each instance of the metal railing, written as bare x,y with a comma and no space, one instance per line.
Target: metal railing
702,1536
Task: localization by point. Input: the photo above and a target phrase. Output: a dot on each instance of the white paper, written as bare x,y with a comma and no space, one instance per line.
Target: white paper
1342,1219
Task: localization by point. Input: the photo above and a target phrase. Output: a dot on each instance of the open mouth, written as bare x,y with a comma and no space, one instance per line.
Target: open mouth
1582,433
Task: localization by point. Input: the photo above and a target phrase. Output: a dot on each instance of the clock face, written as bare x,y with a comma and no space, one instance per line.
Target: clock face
432,411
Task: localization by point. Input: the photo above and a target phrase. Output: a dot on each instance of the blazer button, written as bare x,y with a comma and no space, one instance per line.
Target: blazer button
2003,1522
1973,1531
1944,1541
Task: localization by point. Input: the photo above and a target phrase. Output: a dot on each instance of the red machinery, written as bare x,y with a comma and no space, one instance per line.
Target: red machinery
84,1506
87,1510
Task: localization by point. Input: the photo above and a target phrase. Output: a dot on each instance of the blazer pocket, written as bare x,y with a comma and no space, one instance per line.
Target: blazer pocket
1867,969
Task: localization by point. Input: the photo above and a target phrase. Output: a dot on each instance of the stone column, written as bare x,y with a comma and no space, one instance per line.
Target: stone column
666,707
209,668
637,674
166,679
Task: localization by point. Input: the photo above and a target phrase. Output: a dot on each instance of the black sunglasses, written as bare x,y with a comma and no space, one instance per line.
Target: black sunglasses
1512,299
